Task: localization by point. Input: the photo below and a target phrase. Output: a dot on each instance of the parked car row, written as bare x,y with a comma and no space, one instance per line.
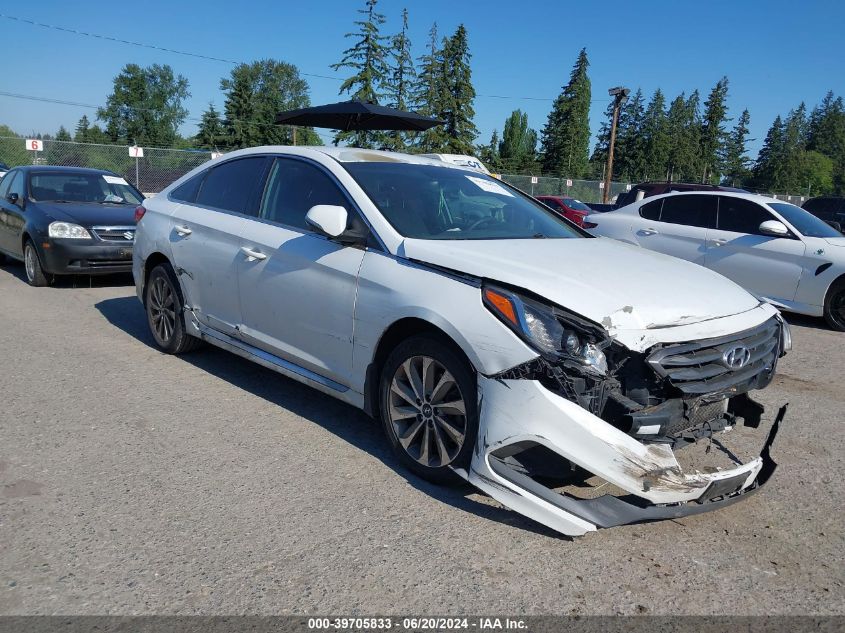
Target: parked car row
776,250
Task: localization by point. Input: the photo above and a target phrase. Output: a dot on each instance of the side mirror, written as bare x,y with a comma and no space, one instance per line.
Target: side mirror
774,228
13,198
328,219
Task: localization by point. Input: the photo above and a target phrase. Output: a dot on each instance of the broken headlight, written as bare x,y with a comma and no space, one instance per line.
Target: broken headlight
552,332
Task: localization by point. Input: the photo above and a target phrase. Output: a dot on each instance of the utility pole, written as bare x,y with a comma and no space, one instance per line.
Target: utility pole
620,95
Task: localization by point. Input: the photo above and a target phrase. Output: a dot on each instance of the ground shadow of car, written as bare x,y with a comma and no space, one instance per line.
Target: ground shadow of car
126,314
115,280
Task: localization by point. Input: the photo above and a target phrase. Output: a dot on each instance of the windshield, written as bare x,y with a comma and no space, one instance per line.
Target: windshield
804,222
442,203
82,187
576,205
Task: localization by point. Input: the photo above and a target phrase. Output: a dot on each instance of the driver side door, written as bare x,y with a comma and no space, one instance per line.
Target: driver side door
768,266
12,214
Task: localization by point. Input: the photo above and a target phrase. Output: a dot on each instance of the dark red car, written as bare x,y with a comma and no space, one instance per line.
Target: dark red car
570,208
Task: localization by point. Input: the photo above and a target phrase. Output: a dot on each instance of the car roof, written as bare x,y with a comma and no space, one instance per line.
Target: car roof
60,168
349,155
754,197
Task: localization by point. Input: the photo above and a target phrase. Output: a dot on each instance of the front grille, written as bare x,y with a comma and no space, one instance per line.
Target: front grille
719,365
115,233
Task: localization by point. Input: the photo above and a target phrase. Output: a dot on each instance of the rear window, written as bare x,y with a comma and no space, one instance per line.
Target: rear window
690,211
187,191
651,211
230,185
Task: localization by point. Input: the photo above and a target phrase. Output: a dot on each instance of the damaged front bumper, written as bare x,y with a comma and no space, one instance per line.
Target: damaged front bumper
518,415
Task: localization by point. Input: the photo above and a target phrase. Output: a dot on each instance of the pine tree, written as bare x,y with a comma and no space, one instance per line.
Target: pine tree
566,137
826,135
429,93
684,129
489,154
400,80
457,105
656,138
211,134
82,127
768,167
713,136
255,93
519,143
734,157
63,134
368,58
631,140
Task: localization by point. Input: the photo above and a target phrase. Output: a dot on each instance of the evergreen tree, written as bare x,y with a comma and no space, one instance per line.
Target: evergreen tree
63,134
656,138
146,106
430,93
734,157
684,129
400,80
459,94
826,135
631,140
367,57
566,137
255,93
713,135
211,133
489,154
598,160
519,143
768,167
82,128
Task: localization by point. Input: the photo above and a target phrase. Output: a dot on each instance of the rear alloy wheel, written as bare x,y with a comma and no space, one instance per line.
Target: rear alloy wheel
428,408
834,306
35,275
165,312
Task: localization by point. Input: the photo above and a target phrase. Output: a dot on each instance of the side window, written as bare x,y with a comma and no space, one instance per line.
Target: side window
651,210
295,186
690,210
230,185
17,186
5,182
187,191
741,216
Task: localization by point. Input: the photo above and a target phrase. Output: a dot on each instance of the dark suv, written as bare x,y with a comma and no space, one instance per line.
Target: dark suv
831,209
648,189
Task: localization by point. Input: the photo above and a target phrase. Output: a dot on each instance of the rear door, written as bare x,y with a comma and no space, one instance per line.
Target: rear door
768,266
677,225
206,238
297,287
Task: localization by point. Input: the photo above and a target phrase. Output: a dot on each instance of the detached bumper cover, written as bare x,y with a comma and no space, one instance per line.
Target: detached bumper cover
515,412
87,257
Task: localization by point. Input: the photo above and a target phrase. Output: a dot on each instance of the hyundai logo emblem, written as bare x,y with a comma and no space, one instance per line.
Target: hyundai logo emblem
736,357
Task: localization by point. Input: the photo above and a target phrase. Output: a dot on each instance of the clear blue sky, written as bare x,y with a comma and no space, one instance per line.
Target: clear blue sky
776,53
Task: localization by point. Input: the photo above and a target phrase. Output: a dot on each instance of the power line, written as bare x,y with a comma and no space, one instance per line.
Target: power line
118,40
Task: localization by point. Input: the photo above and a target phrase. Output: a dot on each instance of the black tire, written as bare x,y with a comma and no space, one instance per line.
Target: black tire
834,306
419,420
165,312
34,271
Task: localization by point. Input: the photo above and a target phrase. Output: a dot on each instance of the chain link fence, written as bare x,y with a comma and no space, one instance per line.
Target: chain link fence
159,167
151,173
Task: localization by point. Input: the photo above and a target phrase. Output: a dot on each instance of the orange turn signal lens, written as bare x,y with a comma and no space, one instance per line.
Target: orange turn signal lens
502,304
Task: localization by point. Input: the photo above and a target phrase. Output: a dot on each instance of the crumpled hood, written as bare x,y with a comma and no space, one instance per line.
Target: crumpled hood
89,214
619,286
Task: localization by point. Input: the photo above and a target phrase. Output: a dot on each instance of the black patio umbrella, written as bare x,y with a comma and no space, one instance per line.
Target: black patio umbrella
356,115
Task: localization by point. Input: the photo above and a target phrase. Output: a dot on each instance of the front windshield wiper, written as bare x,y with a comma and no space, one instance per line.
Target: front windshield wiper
538,236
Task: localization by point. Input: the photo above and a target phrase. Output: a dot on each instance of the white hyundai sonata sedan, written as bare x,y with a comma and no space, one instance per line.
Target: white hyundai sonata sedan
772,248
495,341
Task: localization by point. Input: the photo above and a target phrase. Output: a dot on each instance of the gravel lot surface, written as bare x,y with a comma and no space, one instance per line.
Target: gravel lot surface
133,482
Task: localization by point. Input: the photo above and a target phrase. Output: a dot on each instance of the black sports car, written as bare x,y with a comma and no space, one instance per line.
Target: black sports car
67,220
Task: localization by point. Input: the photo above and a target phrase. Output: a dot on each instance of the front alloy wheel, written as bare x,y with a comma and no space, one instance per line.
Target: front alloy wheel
427,408
35,275
834,309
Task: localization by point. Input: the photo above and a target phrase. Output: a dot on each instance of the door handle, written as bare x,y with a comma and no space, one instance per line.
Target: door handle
718,242
183,231
648,232
252,255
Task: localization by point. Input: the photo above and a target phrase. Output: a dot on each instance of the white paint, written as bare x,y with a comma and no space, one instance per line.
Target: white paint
34,145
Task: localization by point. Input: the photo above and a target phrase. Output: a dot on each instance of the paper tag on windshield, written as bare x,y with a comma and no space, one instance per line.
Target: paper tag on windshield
114,180
490,186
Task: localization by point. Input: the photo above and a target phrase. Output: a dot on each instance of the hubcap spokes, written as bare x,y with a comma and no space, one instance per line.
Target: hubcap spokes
838,308
162,309
427,411
30,263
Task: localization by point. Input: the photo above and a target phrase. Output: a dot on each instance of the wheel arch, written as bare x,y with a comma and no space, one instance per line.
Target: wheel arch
153,259
397,332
